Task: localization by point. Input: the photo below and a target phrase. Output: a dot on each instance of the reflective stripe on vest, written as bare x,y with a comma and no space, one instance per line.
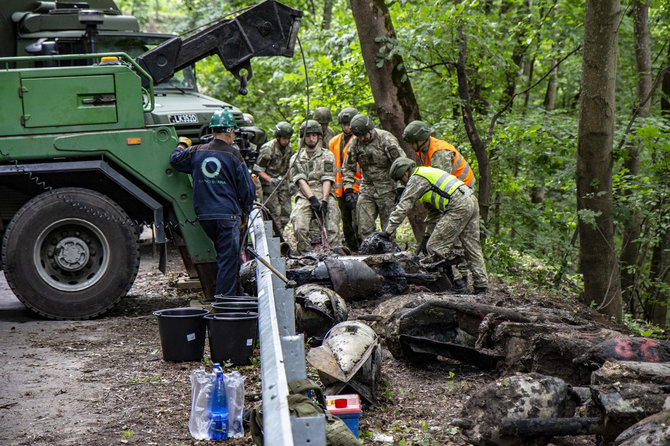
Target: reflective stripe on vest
444,186
334,146
461,168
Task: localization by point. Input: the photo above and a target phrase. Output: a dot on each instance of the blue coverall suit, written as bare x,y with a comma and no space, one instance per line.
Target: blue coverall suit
222,191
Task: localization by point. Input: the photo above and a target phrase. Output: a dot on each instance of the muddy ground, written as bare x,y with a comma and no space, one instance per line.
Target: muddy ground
104,381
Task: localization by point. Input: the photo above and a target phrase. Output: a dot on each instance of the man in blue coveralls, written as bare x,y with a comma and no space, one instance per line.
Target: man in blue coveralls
222,191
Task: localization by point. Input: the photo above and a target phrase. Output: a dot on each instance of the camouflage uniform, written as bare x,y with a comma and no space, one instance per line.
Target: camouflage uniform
444,160
315,167
377,192
459,221
274,160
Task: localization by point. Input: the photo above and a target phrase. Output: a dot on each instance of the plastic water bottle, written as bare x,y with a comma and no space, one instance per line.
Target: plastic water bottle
219,407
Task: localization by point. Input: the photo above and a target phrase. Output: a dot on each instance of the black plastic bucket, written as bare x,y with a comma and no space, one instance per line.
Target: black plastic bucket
222,298
234,307
232,336
182,332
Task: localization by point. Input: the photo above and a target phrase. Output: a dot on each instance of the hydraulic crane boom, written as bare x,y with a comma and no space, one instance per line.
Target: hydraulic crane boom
267,29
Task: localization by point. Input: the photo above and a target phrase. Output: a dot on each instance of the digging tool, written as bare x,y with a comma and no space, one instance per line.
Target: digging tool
275,271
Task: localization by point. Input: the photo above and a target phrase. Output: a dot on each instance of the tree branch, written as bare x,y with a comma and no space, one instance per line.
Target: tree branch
636,111
511,99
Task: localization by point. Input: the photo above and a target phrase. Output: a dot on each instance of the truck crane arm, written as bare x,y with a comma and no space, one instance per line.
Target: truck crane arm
269,28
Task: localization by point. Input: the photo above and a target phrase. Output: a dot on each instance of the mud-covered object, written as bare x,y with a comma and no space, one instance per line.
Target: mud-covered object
248,277
421,330
626,349
349,357
376,244
651,431
515,397
395,280
317,309
353,279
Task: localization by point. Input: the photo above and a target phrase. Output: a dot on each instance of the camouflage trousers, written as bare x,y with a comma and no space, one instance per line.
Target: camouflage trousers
461,223
306,226
369,207
349,225
279,203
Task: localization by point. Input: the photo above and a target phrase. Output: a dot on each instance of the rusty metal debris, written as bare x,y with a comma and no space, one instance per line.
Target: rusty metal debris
317,309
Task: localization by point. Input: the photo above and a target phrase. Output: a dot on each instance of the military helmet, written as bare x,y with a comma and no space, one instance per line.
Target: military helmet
400,166
322,115
311,126
222,119
416,131
345,115
283,129
249,118
361,124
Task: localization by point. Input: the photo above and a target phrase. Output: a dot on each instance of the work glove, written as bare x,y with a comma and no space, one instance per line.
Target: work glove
385,235
276,181
350,199
316,206
324,208
398,194
423,247
185,141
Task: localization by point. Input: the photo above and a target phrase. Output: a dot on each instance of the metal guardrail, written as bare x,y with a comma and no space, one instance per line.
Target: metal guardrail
282,351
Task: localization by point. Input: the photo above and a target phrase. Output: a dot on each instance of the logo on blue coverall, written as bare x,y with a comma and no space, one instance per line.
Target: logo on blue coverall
205,167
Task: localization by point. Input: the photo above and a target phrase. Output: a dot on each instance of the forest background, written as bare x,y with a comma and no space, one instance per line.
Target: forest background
502,81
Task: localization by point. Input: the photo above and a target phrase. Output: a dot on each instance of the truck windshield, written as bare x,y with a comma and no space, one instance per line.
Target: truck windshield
137,44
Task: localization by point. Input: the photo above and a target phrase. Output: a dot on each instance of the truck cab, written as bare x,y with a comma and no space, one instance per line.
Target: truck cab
56,27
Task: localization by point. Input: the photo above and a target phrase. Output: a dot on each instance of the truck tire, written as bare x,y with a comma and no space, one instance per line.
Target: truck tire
70,253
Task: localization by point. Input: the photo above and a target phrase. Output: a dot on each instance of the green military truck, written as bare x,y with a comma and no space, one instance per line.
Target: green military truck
29,27
83,164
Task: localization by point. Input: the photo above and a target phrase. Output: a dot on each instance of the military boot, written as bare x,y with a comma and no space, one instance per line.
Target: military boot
480,290
458,287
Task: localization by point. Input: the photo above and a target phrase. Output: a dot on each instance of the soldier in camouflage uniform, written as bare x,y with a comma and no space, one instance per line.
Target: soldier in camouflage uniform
313,172
374,150
323,116
440,154
453,214
271,167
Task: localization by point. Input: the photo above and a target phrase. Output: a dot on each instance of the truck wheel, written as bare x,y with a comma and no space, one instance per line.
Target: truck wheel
70,253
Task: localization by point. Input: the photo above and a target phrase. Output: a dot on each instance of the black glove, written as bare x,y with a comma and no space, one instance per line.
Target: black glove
423,247
350,199
398,194
385,235
316,206
324,208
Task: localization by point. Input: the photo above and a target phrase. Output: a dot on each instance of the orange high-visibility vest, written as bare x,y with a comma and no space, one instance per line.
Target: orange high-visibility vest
462,169
334,147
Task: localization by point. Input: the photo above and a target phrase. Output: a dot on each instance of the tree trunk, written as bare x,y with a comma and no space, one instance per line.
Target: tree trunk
471,129
657,306
598,259
327,14
394,97
630,248
550,94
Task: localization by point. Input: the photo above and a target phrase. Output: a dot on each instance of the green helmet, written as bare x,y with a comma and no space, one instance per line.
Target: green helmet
249,119
322,115
311,127
344,116
361,124
416,131
400,166
222,119
283,129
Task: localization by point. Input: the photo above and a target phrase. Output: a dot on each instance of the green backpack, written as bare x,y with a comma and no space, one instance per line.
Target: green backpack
300,405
